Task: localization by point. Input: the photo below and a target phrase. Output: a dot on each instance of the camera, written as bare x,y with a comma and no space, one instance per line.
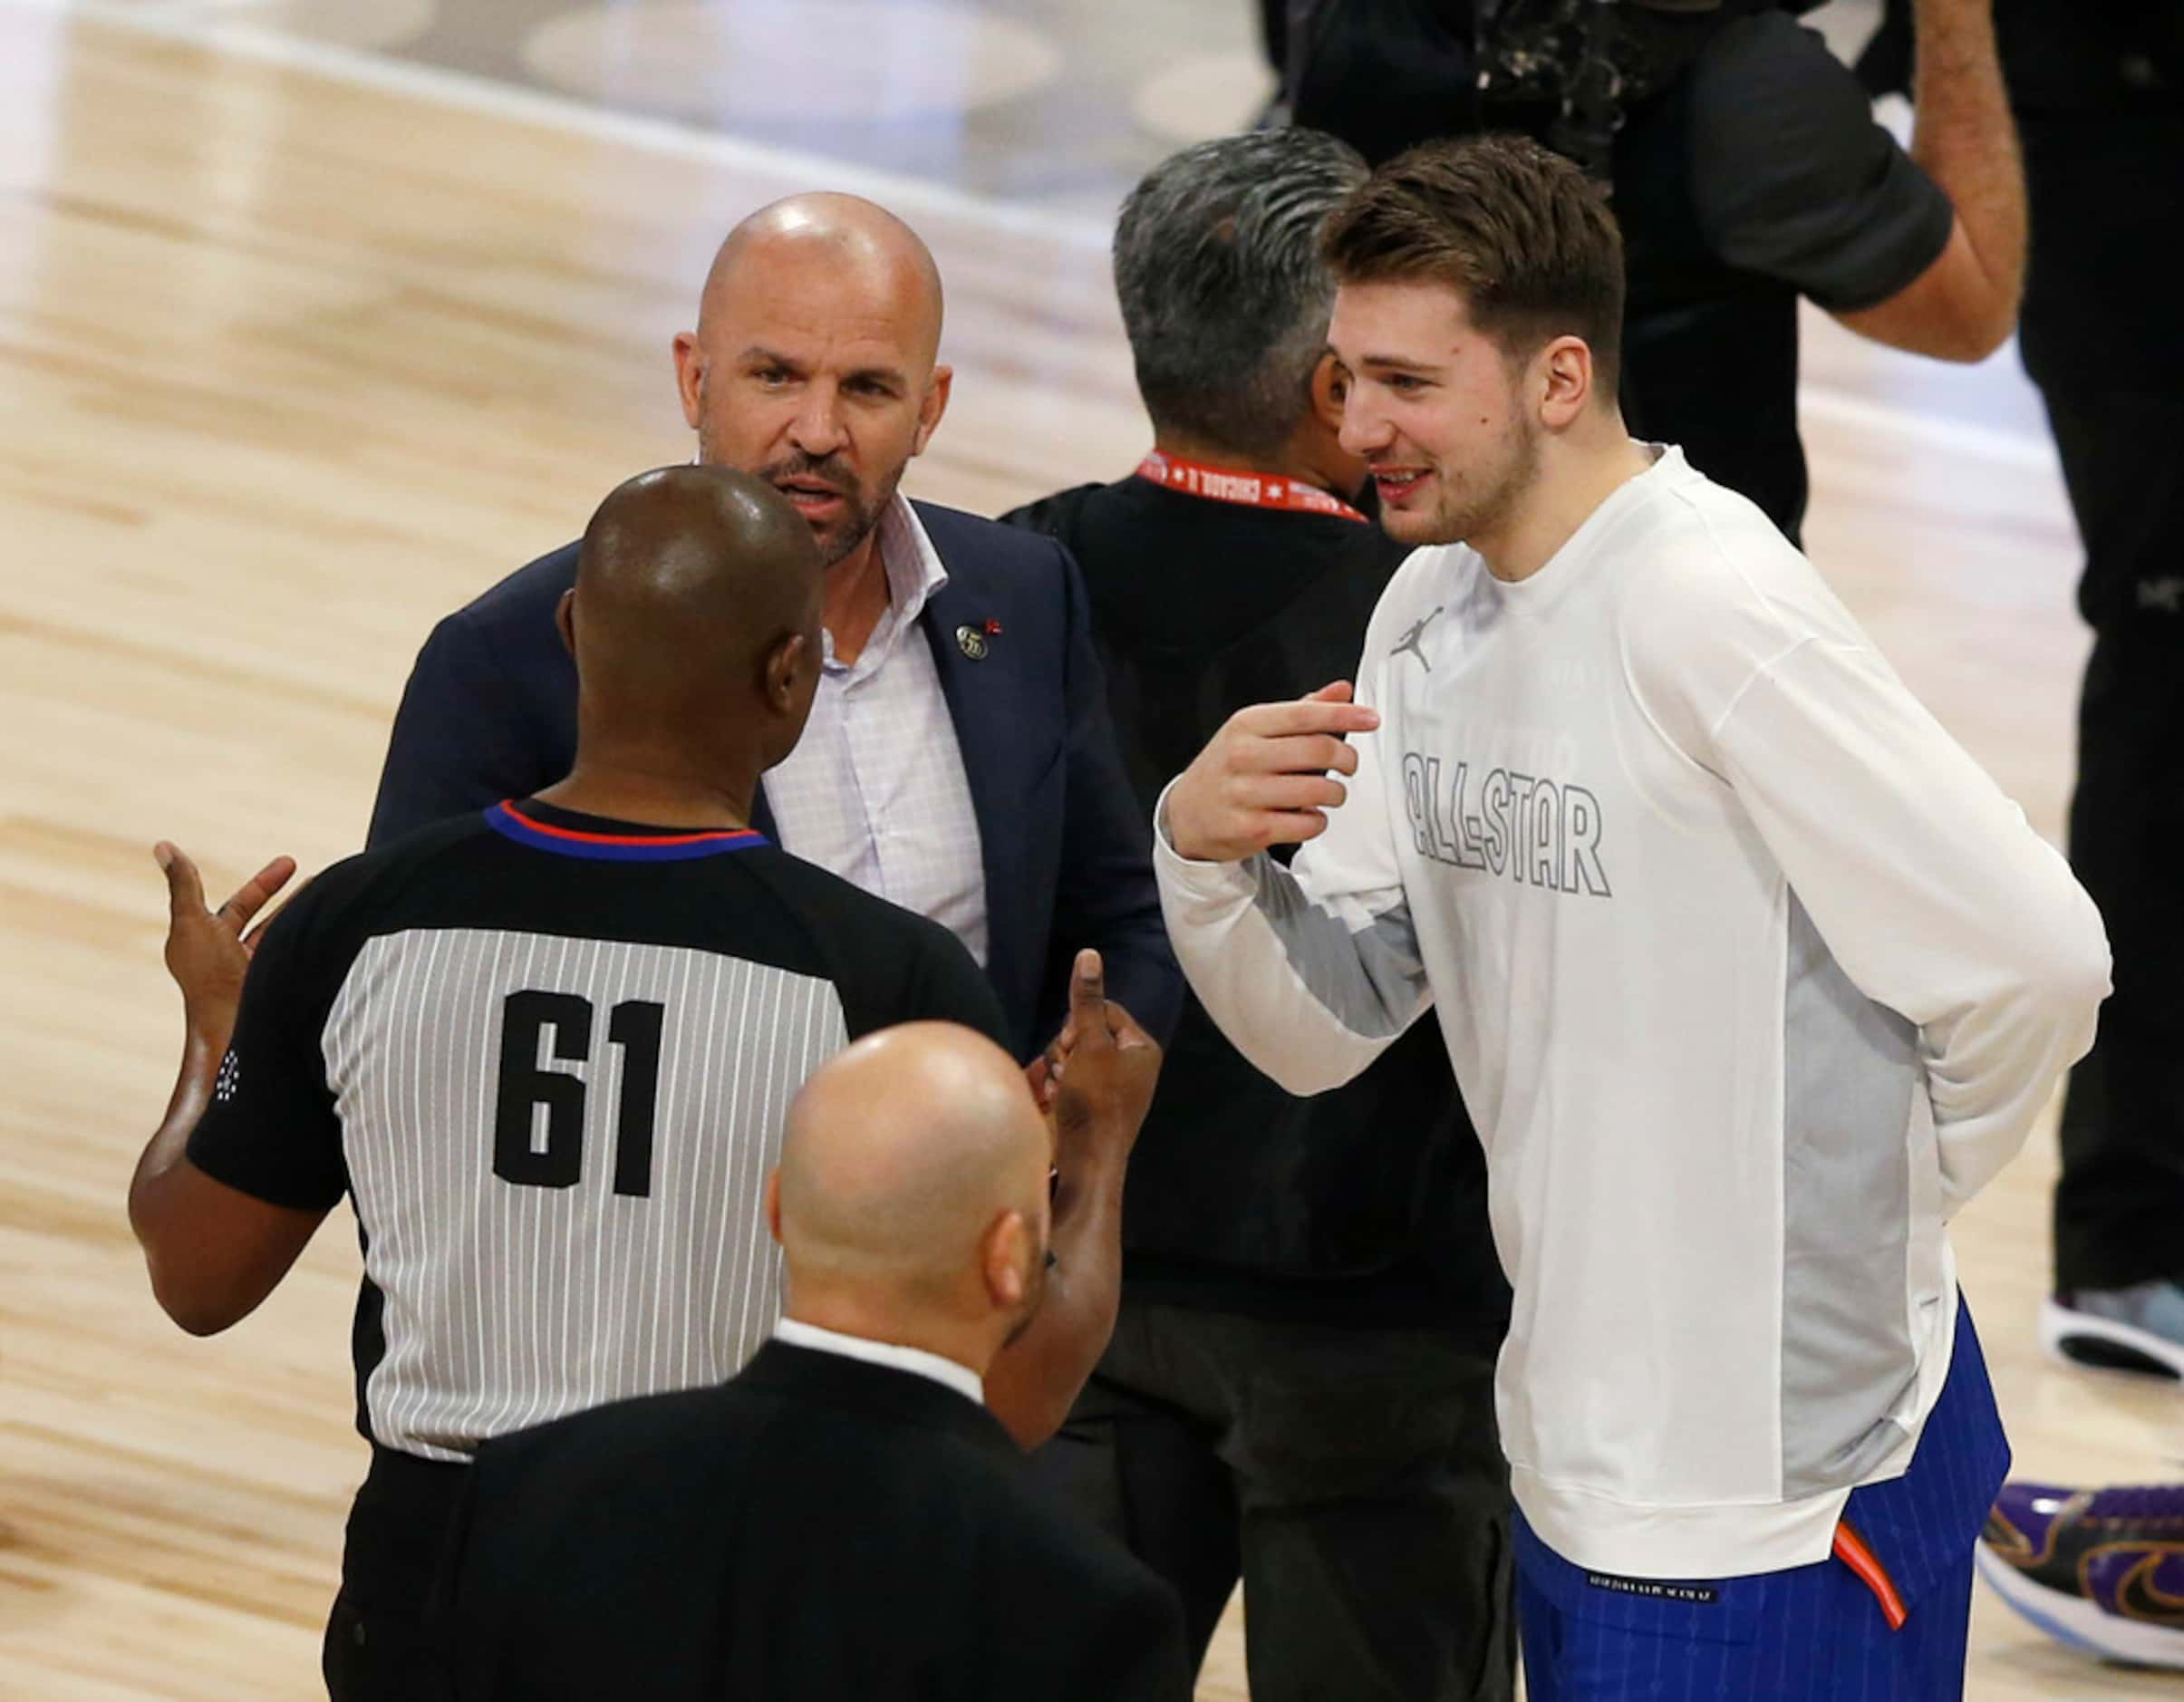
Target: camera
1382,74
1584,63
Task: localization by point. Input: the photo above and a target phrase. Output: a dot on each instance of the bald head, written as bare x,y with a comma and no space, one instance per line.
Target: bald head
814,361
901,1154
854,242
691,583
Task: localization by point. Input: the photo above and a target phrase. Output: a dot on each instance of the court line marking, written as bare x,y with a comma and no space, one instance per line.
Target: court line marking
212,24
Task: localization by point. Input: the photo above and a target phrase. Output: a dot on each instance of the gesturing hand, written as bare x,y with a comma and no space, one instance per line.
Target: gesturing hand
209,950
1107,1067
1265,779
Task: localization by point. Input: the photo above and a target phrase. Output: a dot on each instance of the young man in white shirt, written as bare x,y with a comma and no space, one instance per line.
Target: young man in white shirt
1753,977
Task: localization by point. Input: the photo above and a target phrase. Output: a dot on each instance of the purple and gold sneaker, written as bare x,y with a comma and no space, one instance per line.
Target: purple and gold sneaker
2101,1570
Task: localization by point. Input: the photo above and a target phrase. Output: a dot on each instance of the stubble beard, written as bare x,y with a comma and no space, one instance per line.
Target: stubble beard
860,518
858,524
1470,511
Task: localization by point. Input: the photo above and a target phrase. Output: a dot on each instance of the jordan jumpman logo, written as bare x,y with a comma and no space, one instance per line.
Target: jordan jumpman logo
1413,639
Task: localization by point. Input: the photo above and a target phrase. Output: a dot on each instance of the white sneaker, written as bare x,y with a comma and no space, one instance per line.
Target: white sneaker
2138,1330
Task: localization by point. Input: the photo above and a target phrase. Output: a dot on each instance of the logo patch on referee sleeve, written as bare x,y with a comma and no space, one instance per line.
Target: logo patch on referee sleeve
1657,1589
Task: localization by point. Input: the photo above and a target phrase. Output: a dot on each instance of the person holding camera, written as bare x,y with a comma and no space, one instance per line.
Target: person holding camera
2098,91
1745,171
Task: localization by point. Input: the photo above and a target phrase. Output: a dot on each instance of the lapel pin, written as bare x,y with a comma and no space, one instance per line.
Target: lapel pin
971,640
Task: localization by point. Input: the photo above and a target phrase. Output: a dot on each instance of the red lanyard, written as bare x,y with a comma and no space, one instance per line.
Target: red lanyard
1256,490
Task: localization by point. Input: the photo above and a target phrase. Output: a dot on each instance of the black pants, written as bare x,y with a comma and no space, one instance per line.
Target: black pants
2119,1204
2102,340
385,1639
1353,1478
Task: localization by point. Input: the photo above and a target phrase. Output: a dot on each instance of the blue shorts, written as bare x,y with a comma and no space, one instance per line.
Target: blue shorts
1883,1622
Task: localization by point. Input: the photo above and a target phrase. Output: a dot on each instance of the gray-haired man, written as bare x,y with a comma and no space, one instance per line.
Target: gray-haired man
1299,1384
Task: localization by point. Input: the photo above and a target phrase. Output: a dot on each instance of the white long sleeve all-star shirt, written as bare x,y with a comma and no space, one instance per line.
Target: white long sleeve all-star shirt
1751,977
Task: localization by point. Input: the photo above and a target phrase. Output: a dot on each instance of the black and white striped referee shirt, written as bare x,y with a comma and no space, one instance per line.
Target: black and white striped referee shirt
549,1055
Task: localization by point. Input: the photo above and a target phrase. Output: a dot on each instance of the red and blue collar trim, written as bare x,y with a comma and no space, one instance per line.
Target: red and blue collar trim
634,846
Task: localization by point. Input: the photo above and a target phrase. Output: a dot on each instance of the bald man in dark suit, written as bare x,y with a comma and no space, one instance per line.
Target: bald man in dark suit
844,1519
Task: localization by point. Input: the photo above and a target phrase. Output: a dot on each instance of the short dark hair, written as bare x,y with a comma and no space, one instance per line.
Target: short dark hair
1222,288
1521,232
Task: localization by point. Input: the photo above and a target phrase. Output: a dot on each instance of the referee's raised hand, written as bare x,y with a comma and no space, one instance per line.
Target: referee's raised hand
209,950
1099,1075
1105,1071
1267,776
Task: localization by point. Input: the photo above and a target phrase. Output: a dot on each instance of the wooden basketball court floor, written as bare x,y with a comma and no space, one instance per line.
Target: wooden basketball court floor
297,355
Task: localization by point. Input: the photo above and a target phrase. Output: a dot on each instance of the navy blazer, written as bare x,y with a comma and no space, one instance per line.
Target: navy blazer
490,713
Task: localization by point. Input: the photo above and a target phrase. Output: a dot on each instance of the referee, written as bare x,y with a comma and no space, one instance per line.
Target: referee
548,1051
